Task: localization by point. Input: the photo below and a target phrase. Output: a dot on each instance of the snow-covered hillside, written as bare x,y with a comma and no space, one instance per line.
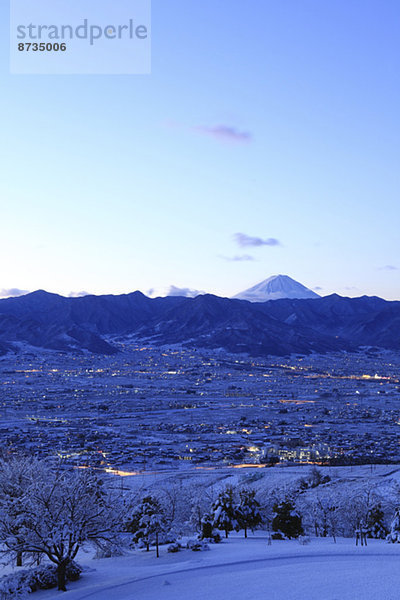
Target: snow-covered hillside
275,288
245,569
239,568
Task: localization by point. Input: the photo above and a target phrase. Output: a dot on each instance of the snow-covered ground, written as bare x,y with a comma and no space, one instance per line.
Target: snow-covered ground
241,569
346,480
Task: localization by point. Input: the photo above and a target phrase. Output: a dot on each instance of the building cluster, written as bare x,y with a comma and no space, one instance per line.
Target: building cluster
148,408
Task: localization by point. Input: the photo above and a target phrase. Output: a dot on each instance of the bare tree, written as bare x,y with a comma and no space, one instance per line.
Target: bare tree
16,477
61,512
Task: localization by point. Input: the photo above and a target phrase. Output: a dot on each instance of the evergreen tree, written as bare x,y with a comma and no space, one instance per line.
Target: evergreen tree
147,522
224,512
207,531
248,511
206,527
286,519
375,523
394,535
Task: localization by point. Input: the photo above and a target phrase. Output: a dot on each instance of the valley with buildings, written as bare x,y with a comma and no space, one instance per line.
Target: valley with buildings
166,408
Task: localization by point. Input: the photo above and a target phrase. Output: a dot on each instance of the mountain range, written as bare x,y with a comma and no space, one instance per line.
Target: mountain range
278,327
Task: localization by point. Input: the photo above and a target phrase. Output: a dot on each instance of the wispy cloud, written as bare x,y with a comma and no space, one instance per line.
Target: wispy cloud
226,133
244,240
389,268
78,294
186,292
12,292
238,258
317,288
173,290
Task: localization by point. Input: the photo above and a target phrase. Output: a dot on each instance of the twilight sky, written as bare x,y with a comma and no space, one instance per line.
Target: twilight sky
266,140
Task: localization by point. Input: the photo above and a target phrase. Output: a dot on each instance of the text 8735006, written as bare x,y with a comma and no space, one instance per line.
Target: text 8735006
42,47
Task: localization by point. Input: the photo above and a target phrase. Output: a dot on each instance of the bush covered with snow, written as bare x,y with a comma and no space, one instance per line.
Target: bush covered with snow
314,479
106,549
22,582
15,586
73,571
278,535
175,547
197,545
304,540
46,577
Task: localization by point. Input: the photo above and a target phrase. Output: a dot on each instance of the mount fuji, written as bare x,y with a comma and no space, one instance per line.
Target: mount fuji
276,288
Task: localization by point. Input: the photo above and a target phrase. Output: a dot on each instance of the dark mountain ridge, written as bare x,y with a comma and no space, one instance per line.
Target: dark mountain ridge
276,327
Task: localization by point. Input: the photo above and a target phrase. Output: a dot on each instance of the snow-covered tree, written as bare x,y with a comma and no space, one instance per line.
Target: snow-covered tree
147,522
224,511
61,512
357,506
328,509
207,531
173,498
394,535
248,510
196,517
375,522
16,477
324,513
201,499
286,519
184,505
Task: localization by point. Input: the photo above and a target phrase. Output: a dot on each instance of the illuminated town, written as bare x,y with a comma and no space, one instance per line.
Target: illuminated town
147,409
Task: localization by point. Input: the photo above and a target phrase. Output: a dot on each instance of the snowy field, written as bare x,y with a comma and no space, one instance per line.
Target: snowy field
250,569
239,569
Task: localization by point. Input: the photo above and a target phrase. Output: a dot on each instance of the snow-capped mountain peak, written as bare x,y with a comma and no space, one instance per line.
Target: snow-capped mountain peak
275,288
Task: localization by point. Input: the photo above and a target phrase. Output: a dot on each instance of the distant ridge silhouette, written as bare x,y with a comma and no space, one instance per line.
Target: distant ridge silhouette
278,328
